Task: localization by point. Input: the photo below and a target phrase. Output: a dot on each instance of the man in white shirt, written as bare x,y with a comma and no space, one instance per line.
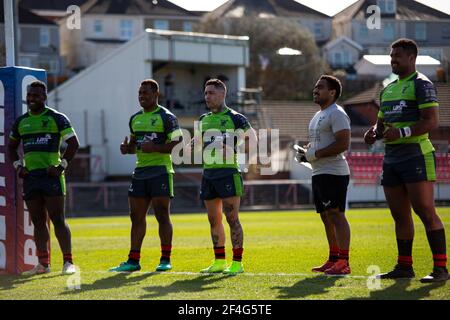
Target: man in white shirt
329,138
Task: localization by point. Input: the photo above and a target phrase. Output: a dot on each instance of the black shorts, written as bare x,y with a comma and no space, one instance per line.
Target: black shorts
329,191
40,184
224,187
417,169
159,186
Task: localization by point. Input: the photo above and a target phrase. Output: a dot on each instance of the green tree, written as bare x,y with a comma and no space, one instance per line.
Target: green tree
282,77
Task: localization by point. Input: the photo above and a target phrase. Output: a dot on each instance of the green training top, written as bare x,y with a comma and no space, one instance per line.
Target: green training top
220,126
160,126
401,103
41,137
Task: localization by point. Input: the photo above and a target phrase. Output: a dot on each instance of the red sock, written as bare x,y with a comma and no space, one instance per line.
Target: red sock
134,255
43,257
67,258
219,252
334,254
405,262
237,254
440,260
165,253
344,254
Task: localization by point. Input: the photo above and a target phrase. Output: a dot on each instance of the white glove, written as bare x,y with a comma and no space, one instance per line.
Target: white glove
310,155
300,154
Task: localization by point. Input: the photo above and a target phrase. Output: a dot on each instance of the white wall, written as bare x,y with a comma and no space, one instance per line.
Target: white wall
110,85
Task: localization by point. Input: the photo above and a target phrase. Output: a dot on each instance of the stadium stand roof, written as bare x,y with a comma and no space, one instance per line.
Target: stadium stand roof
291,118
406,10
263,8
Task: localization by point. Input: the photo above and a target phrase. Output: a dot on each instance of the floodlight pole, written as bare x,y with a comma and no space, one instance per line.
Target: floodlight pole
10,9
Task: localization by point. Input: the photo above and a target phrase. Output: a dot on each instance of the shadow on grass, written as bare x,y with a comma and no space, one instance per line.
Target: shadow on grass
198,284
8,282
115,281
398,291
307,287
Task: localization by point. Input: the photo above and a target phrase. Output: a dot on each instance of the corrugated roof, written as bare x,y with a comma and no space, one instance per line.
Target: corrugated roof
291,118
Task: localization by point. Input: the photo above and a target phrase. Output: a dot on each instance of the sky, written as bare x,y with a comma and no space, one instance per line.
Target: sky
329,7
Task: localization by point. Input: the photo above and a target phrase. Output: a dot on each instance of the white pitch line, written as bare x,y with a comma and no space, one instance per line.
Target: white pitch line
241,274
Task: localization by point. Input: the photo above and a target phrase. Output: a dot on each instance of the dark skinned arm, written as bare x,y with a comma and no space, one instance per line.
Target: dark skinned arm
429,119
69,154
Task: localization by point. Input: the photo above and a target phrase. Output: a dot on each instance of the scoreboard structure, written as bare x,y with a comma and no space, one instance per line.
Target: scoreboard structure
17,246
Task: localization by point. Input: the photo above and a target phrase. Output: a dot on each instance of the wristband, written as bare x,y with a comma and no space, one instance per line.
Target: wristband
405,132
17,164
64,163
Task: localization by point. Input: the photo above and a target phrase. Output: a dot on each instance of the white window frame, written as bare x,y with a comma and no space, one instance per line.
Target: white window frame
25,61
420,31
385,27
188,23
53,66
157,24
335,60
98,27
126,29
44,37
446,32
387,6
318,30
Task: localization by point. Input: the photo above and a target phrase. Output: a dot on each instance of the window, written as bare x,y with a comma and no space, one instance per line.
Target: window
126,29
44,38
25,61
446,33
187,26
387,6
363,32
421,31
337,59
53,66
98,27
318,30
161,24
347,58
388,31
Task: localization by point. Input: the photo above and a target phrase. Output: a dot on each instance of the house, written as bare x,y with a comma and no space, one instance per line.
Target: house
100,99
378,66
429,27
342,52
38,41
319,24
108,24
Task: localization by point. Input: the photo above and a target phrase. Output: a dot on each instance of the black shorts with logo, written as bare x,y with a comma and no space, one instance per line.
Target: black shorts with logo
330,191
223,187
417,169
39,183
158,186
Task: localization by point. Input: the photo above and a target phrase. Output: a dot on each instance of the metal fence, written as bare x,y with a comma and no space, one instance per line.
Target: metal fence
111,198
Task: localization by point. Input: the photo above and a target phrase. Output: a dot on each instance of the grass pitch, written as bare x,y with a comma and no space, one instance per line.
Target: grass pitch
280,249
